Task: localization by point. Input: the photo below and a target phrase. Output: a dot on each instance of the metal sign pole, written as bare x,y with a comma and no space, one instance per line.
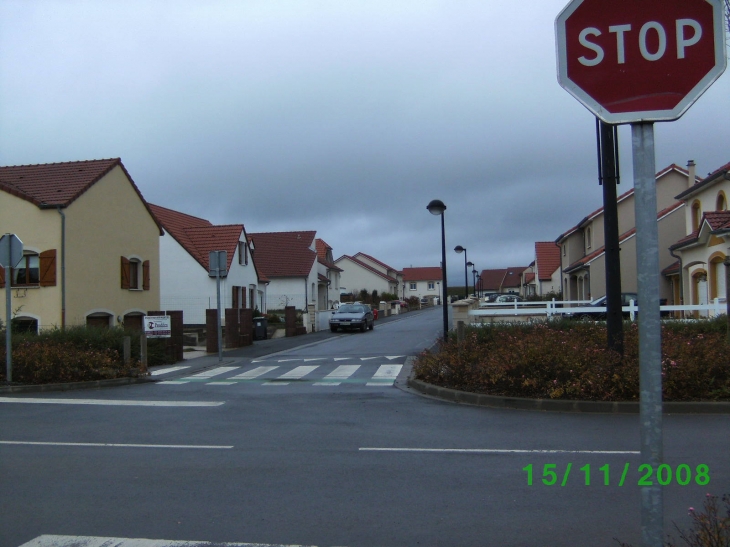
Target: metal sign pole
650,336
218,296
8,335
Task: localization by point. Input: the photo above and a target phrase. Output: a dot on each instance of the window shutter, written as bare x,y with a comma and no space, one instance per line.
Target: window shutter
125,273
48,268
146,275
2,277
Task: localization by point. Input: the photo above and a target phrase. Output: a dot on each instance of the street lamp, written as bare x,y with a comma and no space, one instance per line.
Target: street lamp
474,277
478,288
437,207
469,265
459,249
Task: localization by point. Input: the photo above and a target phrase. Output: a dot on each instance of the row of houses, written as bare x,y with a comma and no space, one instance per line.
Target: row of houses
693,223
97,253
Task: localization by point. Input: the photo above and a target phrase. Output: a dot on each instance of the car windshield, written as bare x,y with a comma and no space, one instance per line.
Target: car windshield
350,308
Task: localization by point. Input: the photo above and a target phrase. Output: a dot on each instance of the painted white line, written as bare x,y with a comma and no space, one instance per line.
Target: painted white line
102,402
117,445
220,383
497,451
287,360
294,374
314,359
166,370
210,373
342,372
342,358
90,541
367,358
391,357
253,373
385,375
172,382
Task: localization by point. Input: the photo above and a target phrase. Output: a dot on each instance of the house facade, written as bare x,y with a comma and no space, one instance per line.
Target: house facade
423,282
363,272
543,275
698,274
502,280
184,266
582,248
329,276
91,245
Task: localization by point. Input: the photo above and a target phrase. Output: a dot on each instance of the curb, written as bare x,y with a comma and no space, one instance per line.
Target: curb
552,405
75,385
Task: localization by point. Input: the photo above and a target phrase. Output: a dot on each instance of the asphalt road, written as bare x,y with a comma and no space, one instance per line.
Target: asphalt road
329,456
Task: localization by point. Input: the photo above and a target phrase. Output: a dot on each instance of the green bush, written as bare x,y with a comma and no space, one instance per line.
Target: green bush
78,354
569,360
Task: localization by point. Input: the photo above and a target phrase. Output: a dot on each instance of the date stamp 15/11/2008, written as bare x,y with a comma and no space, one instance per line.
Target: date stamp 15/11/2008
663,475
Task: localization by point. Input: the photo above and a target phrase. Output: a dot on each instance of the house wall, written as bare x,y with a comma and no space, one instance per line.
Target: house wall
107,222
39,230
422,289
354,278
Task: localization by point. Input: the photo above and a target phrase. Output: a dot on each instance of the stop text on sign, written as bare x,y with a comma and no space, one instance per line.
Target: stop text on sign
650,29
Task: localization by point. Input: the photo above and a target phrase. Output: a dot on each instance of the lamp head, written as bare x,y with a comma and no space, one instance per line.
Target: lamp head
436,207
459,249
470,263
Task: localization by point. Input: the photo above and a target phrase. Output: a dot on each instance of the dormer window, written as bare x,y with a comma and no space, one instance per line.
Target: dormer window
721,202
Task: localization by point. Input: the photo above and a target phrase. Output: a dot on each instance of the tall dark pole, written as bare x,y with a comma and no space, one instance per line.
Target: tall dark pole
437,207
608,176
460,249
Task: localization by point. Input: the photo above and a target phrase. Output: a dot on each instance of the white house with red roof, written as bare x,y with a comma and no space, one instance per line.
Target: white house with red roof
90,245
329,276
698,274
582,251
423,282
363,272
184,266
289,260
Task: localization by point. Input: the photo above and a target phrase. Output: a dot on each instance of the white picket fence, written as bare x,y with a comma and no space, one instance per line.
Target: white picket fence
578,308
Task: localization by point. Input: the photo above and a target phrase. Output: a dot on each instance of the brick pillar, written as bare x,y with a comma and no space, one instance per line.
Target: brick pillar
232,328
176,322
246,333
290,320
211,331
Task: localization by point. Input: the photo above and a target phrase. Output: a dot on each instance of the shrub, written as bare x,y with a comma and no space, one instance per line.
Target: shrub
569,360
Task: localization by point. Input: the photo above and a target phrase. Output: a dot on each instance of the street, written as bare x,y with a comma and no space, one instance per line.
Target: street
317,446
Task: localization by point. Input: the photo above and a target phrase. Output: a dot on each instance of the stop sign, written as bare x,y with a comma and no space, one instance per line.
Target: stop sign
630,61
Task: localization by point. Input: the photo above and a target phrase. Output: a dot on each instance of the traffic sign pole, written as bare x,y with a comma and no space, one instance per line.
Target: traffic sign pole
650,341
8,311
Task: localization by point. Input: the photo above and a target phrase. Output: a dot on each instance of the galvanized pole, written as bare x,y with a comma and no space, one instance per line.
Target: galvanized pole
650,342
218,296
726,262
8,334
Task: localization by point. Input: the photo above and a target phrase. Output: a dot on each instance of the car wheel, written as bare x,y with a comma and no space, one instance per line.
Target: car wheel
333,329
372,326
364,326
586,317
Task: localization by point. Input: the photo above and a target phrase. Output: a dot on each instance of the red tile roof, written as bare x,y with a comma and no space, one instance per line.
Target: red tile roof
368,267
502,278
717,221
198,236
529,277
59,184
672,269
284,254
427,273
548,259
718,174
322,249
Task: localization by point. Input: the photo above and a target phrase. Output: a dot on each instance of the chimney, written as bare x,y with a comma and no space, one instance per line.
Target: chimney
691,177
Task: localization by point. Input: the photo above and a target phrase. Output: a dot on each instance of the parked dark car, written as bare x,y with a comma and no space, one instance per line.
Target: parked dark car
352,316
626,298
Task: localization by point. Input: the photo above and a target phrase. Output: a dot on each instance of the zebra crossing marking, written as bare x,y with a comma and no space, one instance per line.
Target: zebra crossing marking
385,374
335,378
48,540
167,369
294,374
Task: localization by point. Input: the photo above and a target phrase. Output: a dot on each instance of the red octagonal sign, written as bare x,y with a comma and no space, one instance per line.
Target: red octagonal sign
640,60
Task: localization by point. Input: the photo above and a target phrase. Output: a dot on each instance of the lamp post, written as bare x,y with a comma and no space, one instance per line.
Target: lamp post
469,264
474,277
459,249
437,207
478,288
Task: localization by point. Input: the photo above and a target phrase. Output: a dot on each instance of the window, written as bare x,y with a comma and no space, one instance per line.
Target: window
696,214
563,250
242,253
27,272
135,274
588,238
721,202
431,285
413,286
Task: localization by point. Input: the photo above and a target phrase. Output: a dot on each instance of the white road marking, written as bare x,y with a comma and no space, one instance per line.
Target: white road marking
173,382
342,372
386,374
220,383
498,451
253,373
90,541
166,370
293,374
286,360
103,402
342,358
117,445
391,357
367,358
315,359
210,373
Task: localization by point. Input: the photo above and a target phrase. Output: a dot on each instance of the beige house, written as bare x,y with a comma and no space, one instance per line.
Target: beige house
363,271
698,276
91,245
582,252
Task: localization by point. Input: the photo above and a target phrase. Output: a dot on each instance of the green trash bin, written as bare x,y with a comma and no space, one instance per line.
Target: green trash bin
260,325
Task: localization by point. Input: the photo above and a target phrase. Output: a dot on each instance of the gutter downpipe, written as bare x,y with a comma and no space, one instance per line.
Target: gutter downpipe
63,267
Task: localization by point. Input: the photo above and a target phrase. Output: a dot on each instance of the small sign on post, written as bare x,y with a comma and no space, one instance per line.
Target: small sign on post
217,267
157,326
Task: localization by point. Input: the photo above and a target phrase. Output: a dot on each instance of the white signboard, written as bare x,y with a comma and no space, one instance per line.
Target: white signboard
157,326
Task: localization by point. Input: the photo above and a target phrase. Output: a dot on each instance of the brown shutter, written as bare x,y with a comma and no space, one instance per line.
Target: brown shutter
146,275
125,273
48,268
2,277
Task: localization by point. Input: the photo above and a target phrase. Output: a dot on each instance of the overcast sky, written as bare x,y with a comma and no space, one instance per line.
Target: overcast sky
343,116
